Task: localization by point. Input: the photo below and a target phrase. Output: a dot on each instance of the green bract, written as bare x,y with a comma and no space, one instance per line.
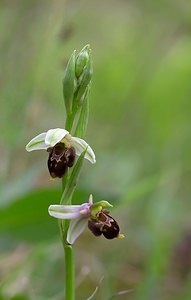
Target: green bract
69,83
84,80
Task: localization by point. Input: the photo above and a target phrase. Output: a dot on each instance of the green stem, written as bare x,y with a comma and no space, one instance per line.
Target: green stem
69,261
63,225
70,118
69,256
70,272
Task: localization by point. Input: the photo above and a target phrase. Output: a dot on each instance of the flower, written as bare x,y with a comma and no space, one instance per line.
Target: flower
93,215
62,148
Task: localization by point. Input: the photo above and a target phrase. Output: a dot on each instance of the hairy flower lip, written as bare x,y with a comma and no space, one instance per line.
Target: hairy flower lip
47,140
60,158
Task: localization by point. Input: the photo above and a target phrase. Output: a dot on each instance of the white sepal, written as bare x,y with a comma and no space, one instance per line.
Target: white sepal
65,211
80,146
37,143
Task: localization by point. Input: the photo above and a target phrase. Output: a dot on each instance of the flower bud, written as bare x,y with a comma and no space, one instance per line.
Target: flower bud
81,60
69,83
85,77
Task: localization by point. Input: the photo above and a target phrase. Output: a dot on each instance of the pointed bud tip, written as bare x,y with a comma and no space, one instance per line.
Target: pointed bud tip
91,199
82,61
86,47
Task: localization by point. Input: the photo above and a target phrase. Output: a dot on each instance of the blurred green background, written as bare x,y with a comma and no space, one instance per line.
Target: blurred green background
139,128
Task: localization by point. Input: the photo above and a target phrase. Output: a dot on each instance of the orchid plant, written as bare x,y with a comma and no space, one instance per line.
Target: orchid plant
65,158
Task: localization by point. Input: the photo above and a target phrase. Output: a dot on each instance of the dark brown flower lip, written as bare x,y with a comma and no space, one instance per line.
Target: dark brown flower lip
70,155
60,158
104,224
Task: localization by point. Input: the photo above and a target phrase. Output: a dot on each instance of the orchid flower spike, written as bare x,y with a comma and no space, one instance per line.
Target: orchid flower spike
88,214
62,148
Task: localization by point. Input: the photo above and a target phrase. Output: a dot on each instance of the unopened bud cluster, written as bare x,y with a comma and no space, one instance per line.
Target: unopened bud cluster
77,77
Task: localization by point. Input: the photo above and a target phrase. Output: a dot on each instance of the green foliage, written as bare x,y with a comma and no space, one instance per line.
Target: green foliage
26,217
69,83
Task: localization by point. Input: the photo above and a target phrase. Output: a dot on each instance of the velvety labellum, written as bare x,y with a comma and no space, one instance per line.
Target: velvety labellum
60,158
104,224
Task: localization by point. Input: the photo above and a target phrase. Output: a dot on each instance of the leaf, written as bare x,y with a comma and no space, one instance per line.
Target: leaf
19,186
69,83
121,293
27,218
84,115
96,289
93,294
72,182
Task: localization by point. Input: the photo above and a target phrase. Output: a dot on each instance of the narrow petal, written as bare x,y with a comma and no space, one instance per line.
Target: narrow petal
76,228
65,211
80,145
91,199
37,143
54,136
